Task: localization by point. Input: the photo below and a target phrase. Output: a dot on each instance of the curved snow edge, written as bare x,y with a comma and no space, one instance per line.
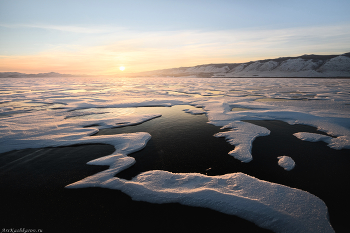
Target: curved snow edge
268,205
338,143
242,135
286,162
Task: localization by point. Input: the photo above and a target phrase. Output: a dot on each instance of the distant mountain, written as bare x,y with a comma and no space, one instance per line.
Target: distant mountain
302,66
23,75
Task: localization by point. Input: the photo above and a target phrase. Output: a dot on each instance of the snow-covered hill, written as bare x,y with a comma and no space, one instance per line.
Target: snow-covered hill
23,75
303,66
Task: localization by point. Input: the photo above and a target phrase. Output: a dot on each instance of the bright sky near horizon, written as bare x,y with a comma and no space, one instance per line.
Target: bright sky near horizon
98,37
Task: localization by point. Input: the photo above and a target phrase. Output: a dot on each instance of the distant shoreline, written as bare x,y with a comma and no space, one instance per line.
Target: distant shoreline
248,77
348,77
290,77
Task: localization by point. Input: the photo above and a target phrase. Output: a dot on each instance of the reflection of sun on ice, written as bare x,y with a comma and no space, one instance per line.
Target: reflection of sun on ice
122,68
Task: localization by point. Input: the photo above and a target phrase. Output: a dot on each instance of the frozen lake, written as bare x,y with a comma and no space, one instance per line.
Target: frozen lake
274,152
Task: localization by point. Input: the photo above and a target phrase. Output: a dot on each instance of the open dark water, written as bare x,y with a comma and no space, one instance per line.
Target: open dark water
319,169
180,143
32,181
183,145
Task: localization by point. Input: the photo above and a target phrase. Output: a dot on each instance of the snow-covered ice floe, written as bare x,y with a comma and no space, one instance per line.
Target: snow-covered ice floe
242,135
42,129
341,142
268,205
86,105
286,162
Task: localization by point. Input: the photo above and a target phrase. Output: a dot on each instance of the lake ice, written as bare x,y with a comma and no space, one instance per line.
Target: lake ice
44,112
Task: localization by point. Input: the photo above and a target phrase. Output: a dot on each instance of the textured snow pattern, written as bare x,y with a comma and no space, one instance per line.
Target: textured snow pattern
292,65
238,68
253,67
268,66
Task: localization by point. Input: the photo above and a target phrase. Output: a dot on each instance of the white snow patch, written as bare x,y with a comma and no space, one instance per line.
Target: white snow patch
286,162
338,143
313,137
124,144
242,136
268,205
43,129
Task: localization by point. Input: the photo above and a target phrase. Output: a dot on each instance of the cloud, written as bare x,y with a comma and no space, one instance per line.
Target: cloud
67,28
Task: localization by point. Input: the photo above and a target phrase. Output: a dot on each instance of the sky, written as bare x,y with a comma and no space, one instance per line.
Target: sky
96,37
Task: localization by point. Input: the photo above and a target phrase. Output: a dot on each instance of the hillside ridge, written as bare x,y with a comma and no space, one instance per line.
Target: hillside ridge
307,65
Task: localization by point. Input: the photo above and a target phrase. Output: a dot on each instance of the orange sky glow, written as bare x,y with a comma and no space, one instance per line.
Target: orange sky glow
93,39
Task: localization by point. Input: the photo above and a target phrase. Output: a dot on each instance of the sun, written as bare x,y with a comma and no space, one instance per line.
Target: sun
122,68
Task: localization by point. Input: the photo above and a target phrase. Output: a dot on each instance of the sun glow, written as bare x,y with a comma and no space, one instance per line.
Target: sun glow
122,68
